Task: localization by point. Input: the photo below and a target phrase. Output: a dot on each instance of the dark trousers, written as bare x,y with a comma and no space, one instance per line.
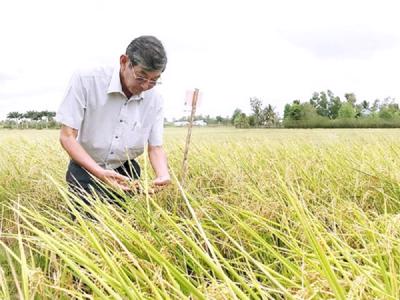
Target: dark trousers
81,183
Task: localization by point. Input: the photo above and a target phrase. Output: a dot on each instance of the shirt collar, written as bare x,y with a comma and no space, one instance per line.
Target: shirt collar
116,87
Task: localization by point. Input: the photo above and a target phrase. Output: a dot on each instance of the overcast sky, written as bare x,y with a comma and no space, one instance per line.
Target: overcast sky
230,50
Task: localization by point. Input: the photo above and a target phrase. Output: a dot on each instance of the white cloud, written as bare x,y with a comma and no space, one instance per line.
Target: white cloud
344,43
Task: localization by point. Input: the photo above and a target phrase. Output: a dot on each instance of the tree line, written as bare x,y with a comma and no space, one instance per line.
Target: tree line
326,110
30,119
322,110
262,116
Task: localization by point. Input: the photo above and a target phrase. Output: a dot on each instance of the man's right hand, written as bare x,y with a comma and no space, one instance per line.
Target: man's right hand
78,154
114,179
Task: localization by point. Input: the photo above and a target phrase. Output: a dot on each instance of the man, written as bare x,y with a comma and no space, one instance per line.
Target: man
109,115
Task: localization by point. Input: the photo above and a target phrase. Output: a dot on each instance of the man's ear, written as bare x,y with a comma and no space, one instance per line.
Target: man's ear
123,59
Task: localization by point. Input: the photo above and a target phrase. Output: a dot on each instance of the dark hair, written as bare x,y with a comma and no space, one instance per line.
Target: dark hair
148,52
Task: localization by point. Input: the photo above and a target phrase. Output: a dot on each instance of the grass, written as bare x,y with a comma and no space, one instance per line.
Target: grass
263,214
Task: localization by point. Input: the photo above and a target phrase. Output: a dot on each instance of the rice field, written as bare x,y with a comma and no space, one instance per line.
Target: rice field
263,214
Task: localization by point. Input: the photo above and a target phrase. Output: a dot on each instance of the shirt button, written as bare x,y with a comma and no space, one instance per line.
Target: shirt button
111,152
120,121
116,137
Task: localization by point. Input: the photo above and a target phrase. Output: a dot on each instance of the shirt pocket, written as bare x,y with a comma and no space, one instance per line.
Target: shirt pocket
137,140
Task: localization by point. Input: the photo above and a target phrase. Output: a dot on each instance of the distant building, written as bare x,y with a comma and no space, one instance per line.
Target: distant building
200,123
186,123
181,123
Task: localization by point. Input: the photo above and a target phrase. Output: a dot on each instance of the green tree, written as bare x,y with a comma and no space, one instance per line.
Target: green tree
314,99
295,112
13,118
219,119
365,104
308,111
237,112
351,98
269,116
32,114
385,113
322,105
241,121
375,105
388,109
14,115
286,111
256,107
347,111
252,120
334,105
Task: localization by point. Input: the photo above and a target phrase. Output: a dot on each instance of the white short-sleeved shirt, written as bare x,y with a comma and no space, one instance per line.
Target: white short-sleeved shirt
111,127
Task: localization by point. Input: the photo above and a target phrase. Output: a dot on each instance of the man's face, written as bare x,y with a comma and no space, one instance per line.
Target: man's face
135,78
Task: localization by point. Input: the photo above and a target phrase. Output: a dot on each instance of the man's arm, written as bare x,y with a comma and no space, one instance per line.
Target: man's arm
80,156
158,160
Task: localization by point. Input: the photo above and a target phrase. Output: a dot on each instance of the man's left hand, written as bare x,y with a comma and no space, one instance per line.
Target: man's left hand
162,181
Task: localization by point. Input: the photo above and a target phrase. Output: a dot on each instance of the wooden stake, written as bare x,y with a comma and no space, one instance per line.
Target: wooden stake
188,136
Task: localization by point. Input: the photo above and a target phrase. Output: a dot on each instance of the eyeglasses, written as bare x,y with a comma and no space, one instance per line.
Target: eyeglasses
142,80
